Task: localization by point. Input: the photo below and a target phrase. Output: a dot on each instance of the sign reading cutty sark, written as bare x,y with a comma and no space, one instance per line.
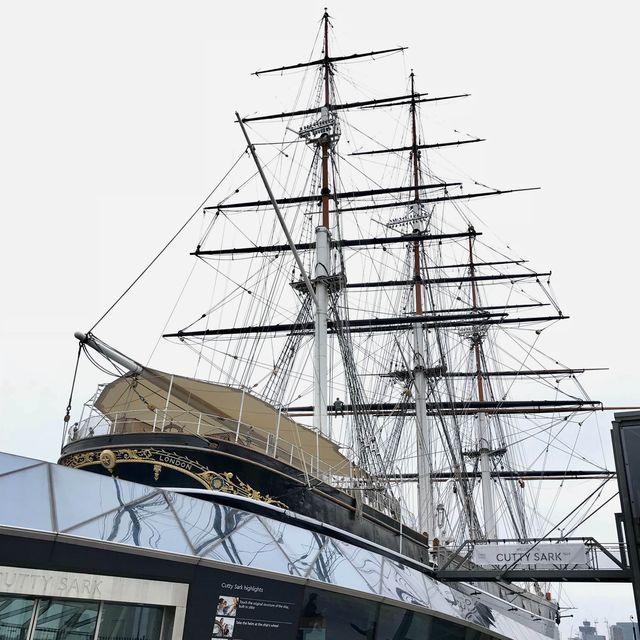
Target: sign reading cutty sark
251,608
566,555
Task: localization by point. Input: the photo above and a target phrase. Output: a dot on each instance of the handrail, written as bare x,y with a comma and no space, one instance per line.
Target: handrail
245,434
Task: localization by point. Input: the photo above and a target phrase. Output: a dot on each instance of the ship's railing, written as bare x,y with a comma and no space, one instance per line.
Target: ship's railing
206,426
348,477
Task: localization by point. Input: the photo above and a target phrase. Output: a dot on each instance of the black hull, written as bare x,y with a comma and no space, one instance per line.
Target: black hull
189,462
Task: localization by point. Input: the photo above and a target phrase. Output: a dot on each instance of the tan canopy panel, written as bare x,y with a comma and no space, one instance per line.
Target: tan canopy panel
139,403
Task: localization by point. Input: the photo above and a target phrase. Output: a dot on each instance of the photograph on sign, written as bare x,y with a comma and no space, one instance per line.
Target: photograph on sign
223,627
227,605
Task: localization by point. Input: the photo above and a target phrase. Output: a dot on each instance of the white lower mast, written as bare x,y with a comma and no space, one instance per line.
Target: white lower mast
320,370
484,450
423,439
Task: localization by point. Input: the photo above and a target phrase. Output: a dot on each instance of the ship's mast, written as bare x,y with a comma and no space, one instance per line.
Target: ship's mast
441,400
483,435
323,259
423,440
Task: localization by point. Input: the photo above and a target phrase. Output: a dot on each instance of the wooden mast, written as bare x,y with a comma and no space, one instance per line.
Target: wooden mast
325,144
474,307
484,438
416,181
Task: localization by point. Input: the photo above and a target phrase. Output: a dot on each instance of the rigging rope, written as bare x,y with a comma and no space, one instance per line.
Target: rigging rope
166,246
67,415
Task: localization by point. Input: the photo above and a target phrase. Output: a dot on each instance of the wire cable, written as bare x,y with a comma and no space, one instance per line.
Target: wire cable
166,246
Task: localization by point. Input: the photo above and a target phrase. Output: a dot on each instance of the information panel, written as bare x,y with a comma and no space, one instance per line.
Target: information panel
250,608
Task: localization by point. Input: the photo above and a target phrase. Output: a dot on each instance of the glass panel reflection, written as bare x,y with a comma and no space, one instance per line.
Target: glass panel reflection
510,628
10,462
472,610
441,596
333,567
66,619
81,495
129,622
403,583
25,500
145,523
330,616
15,617
252,545
301,546
366,563
205,523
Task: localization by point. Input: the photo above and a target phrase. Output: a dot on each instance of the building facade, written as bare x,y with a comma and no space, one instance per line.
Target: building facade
88,557
624,631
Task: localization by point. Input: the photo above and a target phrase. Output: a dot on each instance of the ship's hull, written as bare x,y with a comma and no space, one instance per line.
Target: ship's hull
189,462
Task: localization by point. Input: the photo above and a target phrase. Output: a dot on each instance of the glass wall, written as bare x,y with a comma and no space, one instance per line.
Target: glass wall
56,619
15,617
327,615
331,616
65,620
118,621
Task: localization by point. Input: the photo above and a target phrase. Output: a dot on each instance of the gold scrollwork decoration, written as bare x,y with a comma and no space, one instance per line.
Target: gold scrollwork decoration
80,459
218,481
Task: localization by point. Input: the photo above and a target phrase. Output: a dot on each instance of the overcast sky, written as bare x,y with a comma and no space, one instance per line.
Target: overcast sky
116,119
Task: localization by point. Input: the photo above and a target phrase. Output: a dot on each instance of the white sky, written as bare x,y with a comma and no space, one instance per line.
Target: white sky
116,119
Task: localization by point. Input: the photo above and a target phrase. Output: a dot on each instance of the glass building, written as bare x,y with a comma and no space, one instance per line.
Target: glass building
84,556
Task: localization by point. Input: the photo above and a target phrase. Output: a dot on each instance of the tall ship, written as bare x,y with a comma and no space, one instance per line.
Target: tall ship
368,363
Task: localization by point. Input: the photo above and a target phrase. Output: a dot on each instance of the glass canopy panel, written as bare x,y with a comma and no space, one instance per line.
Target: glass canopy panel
509,628
441,596
512,629
81,495
404,583
480,614
529,634
366,563
205,523
332,566
15,617
147,522
251,545
301,546
9,463
60,619
25,499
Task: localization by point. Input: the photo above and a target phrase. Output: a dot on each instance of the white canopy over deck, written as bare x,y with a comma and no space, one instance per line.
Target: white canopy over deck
155,400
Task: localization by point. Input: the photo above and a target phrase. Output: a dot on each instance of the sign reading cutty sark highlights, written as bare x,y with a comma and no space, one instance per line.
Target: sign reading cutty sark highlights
250,608
569,555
